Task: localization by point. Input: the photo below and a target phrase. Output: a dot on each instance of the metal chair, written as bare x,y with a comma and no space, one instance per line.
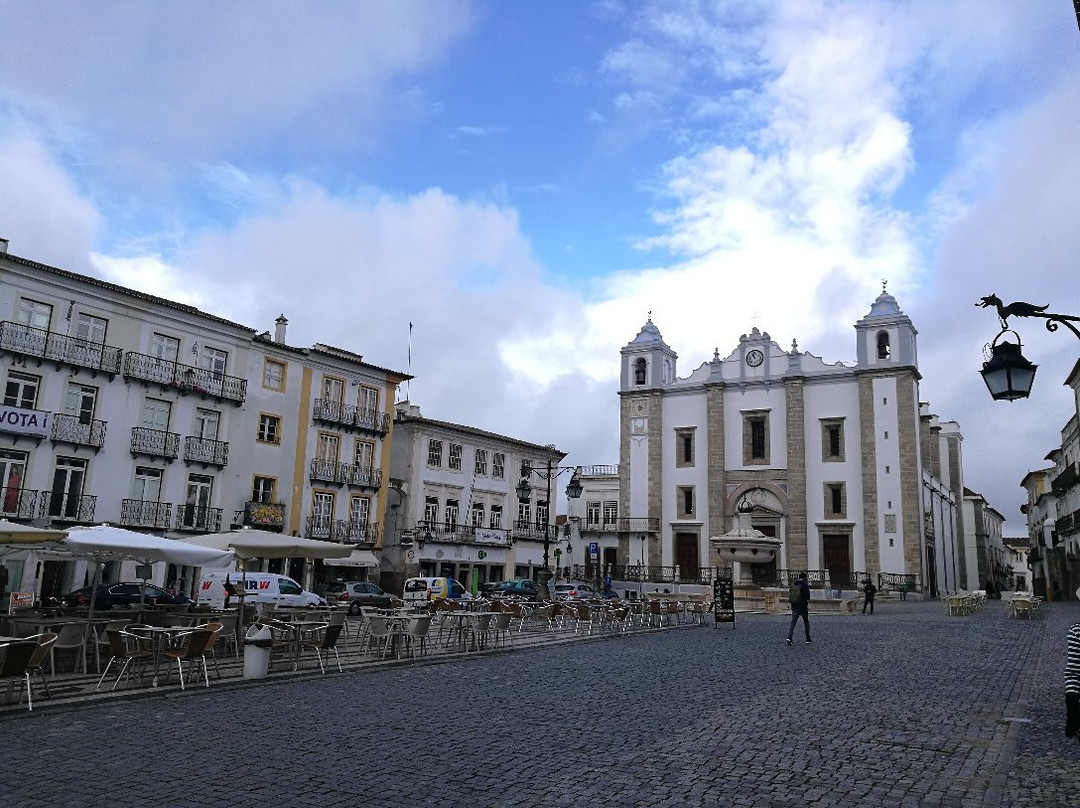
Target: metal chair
324,639
126,648
72,636
198,645
14,664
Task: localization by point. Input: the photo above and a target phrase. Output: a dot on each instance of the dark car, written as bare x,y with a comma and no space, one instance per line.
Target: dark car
518,588
358,594
124,594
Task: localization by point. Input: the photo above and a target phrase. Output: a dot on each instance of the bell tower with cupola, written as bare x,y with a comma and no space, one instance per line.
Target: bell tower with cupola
886,336
647,361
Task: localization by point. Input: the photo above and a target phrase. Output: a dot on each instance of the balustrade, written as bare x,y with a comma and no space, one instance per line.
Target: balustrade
78,431
29,341
17,502
200,519
185,378
154,442
142,513
68,507
204,450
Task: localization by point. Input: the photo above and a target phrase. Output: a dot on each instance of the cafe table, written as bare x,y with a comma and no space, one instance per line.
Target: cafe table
161,638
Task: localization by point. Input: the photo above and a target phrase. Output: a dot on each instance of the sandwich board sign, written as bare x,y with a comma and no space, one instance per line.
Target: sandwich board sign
723,602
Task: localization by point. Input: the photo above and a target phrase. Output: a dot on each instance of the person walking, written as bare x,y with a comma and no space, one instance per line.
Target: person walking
799,595
1072,681
869,590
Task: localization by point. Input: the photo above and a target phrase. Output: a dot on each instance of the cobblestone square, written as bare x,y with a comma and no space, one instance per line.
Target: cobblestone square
909,707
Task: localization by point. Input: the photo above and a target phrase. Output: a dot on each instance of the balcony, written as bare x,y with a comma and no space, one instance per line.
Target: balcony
78,431
324,529
531,530
44,345
68,507
154,443
184,378
633,524
195,519
441,533
142,513
17,503
206,451
1067,479
262,515
362,533
350,416
331,471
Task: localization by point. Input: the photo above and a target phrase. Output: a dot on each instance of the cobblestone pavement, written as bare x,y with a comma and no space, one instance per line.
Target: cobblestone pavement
905,708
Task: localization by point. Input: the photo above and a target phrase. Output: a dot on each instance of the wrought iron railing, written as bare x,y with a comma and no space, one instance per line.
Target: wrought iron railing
204,450
331,471
142,513
897,581
17,502
600,471
154,442
198,519
337,412
626,524
68,507
77,430
325,529
355,532
30,341
532,531
185,378
440,533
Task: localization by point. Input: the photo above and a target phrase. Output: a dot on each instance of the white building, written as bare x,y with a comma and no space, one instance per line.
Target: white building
126,408
455,510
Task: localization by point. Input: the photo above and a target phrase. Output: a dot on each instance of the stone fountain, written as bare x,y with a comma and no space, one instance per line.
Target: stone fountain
745,546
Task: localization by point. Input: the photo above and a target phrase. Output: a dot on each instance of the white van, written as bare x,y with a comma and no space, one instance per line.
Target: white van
262,587
418,591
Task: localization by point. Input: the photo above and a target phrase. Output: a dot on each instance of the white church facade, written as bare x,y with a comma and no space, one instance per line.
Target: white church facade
829,456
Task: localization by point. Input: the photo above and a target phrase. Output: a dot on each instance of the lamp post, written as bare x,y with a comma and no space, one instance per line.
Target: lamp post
524,493
1007,373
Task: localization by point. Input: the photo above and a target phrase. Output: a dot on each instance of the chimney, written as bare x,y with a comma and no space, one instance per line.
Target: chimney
3,245
279,328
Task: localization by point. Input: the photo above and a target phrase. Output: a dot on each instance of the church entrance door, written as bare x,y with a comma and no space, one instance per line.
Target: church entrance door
686,556
837,559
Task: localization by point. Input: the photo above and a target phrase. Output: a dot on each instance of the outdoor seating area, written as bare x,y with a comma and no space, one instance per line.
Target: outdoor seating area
964,603
130,655
1021,606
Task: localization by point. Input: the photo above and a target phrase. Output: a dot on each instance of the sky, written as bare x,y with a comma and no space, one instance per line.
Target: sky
525,182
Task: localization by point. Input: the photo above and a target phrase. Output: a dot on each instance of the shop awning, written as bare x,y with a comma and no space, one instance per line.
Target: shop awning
358,558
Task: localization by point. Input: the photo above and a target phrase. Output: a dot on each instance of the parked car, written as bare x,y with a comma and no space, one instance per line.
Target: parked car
358,594
519,587
420,591
124,594
570,591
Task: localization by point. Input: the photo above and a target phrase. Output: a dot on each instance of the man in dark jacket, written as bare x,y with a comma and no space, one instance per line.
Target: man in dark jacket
869,590
800,608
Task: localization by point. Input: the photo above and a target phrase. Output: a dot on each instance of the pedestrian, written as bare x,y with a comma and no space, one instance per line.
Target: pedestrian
1072,681
903,589
869,590
799,596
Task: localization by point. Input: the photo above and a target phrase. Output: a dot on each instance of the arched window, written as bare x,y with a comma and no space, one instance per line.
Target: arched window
882,345
639,371
667,371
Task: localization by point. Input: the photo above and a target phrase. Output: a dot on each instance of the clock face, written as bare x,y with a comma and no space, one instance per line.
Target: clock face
755,358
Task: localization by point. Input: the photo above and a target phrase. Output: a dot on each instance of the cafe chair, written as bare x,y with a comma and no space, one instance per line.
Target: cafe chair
15,665
324,639
101,640
127,650
37,661
198,645
72,637
416,634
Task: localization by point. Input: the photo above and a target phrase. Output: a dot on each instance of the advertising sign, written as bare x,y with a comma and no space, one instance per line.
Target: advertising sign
24,422
723,602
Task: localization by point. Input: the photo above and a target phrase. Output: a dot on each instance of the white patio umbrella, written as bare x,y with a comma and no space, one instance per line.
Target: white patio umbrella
248,544
14,533
108,543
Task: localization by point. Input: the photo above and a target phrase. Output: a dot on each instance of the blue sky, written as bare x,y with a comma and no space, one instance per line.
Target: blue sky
524,181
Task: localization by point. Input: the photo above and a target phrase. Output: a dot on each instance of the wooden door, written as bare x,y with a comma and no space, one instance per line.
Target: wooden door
837,552
686,555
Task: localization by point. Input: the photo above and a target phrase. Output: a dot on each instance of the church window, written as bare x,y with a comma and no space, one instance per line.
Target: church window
756,438
882,345
684,447
686,501
835,501
639,371
832,440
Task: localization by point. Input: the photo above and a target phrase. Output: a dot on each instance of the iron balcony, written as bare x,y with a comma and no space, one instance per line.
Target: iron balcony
77,430
184,378
26,340
154,443
68,507
142,513
206,451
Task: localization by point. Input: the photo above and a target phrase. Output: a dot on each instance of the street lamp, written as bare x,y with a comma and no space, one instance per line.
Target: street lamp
524,493
1007,373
